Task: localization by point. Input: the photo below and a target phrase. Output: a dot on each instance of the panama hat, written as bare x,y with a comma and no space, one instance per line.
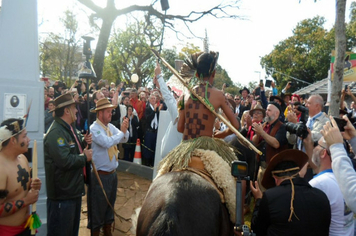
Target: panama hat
103,104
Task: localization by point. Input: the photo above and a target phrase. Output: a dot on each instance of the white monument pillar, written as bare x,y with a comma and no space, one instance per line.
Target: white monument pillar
20,79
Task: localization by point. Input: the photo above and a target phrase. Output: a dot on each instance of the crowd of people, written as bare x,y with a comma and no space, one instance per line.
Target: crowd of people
303,179
294,135
141,106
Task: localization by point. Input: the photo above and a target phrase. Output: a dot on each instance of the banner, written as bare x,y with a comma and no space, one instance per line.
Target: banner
349,66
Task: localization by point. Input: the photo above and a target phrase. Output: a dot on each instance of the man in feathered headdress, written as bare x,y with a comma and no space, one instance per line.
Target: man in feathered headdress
17,189
199,150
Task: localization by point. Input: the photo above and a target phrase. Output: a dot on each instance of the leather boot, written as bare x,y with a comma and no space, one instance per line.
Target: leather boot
107,230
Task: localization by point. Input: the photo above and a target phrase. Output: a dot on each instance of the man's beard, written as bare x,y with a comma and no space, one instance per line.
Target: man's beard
268,119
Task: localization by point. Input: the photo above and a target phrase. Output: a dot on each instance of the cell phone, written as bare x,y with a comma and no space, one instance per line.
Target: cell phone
345,87
341,123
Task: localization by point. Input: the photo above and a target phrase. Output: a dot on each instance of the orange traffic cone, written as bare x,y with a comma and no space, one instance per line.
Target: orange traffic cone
137,156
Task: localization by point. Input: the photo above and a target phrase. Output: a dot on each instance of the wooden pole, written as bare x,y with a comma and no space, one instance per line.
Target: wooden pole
240,137
34,175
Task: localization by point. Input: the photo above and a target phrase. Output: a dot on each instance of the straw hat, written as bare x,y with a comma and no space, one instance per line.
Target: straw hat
103,104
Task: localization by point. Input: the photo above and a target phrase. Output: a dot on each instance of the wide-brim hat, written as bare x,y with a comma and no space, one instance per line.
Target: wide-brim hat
63,101
103,104
258,107
276,97
248,91
300,158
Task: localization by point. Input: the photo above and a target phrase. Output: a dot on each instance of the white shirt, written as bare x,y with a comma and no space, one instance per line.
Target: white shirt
101,143
341,216
172,137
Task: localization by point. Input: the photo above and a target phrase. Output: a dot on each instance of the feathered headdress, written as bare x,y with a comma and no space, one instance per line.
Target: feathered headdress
191,64
10,130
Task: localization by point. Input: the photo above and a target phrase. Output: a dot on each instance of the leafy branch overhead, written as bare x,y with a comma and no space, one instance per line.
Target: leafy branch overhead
108,14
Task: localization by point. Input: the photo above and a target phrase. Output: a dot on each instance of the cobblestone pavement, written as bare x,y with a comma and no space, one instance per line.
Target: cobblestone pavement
130,194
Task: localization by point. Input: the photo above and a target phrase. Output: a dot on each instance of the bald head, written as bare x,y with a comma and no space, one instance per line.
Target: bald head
272,113
315,105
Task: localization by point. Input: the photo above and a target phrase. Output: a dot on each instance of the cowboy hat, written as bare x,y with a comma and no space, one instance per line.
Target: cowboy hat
248,91
276,97
258,107
103,104
63,101
300,158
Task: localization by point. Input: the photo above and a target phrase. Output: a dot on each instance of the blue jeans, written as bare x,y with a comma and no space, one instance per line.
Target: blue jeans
63,217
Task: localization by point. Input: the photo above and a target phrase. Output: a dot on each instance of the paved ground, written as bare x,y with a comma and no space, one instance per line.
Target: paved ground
130,194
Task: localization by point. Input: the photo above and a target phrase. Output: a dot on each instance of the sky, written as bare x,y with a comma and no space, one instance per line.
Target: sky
240,43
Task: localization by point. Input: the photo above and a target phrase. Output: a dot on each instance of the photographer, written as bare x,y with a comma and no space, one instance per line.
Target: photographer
341,164
296,116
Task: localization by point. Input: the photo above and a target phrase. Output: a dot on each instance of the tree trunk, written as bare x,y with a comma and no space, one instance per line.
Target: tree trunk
340,46
101,46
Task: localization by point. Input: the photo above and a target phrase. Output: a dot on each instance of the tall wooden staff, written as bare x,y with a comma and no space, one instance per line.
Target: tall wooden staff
34,221
240,137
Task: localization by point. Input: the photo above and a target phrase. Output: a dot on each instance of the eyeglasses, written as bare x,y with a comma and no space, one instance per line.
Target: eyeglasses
237,99
327,150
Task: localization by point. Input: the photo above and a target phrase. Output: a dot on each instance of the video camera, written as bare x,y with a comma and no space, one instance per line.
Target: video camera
239,169
300,129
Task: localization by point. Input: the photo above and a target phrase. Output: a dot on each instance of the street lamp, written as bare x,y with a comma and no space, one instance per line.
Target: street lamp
165,7
87,72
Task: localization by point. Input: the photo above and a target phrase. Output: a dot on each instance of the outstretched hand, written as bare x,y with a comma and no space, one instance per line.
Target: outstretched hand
331,133
350,130
256,191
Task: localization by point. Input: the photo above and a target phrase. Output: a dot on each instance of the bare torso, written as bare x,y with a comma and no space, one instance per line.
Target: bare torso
199,120
15,178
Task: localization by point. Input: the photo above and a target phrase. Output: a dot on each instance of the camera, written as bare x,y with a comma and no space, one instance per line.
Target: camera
300,129
303,109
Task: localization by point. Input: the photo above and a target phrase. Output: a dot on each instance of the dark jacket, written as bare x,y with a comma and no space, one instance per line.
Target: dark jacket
150,115
63,162
48,119
134,134
311,206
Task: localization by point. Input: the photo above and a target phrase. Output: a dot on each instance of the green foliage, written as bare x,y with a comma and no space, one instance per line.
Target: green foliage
306,54
59,53
130,53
